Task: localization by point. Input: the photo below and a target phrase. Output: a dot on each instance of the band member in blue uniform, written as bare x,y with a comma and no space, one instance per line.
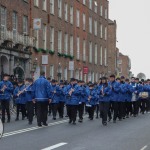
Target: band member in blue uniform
42,97
105,93
72,92
29,99
6,89
19,94
91,101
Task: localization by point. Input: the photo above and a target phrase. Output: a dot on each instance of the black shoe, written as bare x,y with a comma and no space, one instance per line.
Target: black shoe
54,118
74,123
70,121
80,120
91,118
16,119
127,116
45,124
104,123
30,123
39,125
124,118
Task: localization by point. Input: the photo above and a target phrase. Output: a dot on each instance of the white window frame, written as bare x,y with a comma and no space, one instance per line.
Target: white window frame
66,11
71,45
65,73
84,50
71,14
106,13
101,10
101,55
101,31
36,3
44,37
52,7
52,36
60,8
14,25
90,4
95,27
84,21
105,56
45,5
66,43
78,48
95,53
90,52
105,33
59,41
77,18
90,24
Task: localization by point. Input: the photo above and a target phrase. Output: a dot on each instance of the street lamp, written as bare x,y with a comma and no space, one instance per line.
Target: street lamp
34,65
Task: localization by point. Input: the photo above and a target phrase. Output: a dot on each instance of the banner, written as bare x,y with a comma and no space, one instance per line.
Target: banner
36,23
85,70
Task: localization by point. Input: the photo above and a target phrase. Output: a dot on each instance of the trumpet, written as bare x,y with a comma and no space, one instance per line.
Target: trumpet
102,90
21,92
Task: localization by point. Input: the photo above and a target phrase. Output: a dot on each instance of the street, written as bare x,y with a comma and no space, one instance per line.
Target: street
130,134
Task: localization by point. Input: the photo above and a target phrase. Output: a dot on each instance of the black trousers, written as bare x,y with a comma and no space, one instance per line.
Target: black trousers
81,110
61,109
97,110
90,111
104,107
128,108
5,108
143,105
135,107
22,108
30,110
42,111
115,110
54,109
50,108
72,112
148,105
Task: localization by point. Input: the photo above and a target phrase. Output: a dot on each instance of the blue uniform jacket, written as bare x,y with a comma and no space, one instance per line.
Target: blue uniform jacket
29,93
6,95
123,92
83,97
75,97
105,97
94,97
21,98
41,88
130,90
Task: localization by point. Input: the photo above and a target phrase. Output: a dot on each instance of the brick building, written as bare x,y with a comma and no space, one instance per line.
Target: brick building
112,55
15,40
74,31
71,31
124,65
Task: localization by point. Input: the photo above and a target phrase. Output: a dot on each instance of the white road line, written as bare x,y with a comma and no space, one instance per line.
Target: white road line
32,128
144,147
55,146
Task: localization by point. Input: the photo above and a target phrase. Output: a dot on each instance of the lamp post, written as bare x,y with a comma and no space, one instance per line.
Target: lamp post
34,65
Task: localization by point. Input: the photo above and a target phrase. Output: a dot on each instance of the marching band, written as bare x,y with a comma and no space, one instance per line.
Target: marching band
112,99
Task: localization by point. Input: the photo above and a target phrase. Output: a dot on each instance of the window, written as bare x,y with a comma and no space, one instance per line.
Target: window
52,71
44,4
51,38
65,74
90,24
101,31
3,21
89,76
71,15
90,4
66,44
81,75
95,7
84,22
101,55
44,36
105,56
84,50
85,78
96,77
101,10
71,73
95,53
95,28
36,2
52,6
93,77
78,18
90,52
105,33
84,2
66,11
77,74
78,48
59,8
106,13
25,24
15,25
71,45
60,41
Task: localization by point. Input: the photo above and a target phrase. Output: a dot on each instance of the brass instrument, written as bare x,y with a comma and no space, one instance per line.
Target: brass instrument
3,89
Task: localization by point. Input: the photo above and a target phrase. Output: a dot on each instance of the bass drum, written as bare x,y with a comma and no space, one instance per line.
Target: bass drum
1,129
133,97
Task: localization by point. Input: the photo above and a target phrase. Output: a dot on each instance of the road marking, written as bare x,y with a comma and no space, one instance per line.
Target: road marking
32,128
144,147
55,146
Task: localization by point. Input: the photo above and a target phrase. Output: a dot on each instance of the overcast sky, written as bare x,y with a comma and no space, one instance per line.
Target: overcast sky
133,31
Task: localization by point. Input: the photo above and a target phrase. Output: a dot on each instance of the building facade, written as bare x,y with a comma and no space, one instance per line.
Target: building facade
124,65
73,31
15,40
